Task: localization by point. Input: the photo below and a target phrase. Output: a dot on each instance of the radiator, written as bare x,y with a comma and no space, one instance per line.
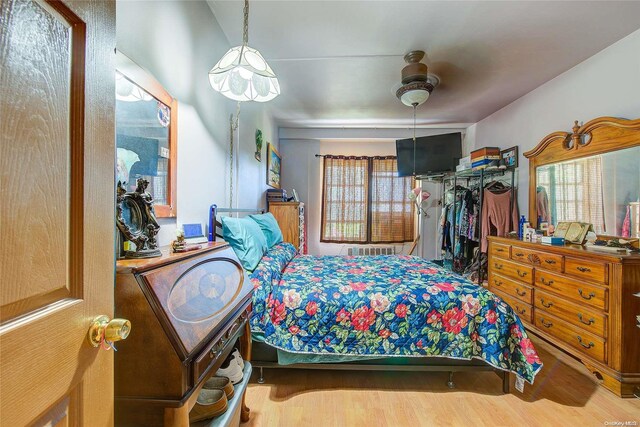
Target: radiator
371,250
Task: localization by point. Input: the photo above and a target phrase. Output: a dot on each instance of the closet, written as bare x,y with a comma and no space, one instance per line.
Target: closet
475,204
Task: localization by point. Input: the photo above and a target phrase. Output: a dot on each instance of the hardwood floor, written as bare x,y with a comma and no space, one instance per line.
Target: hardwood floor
564,392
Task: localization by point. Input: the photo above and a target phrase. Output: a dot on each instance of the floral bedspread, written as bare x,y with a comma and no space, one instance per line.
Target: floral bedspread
385,306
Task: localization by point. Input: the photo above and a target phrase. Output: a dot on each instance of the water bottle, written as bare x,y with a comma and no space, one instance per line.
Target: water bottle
521,226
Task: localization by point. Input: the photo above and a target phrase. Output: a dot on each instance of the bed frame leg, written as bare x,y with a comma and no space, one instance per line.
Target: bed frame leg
261,378
506,384
450,383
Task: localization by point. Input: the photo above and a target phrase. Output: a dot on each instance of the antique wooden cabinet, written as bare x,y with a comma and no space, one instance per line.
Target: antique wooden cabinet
583,301
187,311
290,217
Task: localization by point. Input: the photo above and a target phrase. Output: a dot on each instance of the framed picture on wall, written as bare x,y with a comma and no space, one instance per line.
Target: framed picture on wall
274,165
510,157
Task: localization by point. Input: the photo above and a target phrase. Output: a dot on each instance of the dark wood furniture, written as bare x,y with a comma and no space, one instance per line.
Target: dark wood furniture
187,311
290,217
579,300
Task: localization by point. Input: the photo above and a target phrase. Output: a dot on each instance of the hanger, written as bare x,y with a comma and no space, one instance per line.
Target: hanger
497,187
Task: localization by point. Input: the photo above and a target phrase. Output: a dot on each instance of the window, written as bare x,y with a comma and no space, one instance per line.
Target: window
364,201
575,190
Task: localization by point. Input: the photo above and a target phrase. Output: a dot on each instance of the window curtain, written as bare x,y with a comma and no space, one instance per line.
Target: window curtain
344,199
364,201
579,192
392,213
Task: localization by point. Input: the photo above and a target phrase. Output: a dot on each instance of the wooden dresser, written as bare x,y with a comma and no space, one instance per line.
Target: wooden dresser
290,217
187,311
580,300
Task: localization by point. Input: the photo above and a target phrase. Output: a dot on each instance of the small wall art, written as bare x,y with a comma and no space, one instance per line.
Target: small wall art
510,157
258,153
273,166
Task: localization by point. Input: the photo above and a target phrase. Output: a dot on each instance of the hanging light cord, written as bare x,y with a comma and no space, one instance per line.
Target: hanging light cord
245,27
414,138
233,126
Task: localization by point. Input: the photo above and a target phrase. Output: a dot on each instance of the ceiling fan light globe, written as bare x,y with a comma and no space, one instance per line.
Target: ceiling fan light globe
414,97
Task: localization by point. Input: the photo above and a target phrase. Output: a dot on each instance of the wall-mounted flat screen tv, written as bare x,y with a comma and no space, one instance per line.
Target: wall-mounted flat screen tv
429,155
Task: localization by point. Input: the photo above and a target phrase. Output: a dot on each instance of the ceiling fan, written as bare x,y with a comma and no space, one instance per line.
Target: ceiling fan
417,83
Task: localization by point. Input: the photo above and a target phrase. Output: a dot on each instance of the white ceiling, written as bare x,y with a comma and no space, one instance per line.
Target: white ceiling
339,62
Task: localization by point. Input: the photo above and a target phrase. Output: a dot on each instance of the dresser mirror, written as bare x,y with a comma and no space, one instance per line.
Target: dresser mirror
146,134
589,175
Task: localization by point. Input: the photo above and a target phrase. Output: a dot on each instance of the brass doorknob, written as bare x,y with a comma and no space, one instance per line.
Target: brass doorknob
104,330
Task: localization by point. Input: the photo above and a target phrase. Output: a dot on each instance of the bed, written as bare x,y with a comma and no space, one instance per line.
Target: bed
382,313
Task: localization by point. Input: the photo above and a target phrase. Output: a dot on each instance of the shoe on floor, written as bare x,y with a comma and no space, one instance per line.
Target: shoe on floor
231,369
220,383
209,404
238,358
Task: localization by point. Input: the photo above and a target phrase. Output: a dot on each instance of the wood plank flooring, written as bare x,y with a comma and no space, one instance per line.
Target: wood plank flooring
564,393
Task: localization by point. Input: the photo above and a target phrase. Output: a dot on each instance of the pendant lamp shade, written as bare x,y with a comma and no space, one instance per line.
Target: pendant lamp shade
242,74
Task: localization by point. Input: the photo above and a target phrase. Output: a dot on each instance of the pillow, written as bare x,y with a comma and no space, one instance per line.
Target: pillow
269,227
246,239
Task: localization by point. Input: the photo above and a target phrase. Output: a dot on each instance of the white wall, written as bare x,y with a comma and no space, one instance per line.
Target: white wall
607,84
178,43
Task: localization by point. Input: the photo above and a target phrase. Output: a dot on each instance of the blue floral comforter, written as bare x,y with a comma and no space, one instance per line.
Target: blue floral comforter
384,306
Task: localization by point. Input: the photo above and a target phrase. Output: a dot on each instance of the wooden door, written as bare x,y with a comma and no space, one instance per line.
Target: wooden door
57,210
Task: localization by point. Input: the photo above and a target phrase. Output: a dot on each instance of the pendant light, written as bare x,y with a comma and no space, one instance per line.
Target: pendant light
242,74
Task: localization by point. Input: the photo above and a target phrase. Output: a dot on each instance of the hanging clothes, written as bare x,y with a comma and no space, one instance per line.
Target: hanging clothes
498,217
542,205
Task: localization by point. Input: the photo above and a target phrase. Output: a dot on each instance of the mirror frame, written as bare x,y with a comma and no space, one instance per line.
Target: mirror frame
598,136
146,81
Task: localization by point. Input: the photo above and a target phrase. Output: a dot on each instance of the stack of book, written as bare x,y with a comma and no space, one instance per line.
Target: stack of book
482,157
276,195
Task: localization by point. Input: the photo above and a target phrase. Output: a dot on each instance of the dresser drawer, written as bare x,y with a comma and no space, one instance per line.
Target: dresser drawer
500,250
513,288
585,342
589,320
539,259
588,270
516,271
523,310
581,292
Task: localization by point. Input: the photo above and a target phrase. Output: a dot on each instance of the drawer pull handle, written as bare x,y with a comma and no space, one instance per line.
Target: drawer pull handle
519,254
520,310
497,282
519,292
583,269
548,305
591,294
549,261
591,320
499,250
546,324
521,274
546,282
498,266
591,344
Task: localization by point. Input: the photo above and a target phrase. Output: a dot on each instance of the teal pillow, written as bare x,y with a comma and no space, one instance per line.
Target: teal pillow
246,239
269,227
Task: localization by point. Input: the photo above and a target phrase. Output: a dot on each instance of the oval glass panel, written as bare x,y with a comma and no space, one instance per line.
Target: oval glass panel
132,216
204,290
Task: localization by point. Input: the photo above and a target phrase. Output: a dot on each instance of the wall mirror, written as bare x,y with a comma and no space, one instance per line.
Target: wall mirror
146,134
591,175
